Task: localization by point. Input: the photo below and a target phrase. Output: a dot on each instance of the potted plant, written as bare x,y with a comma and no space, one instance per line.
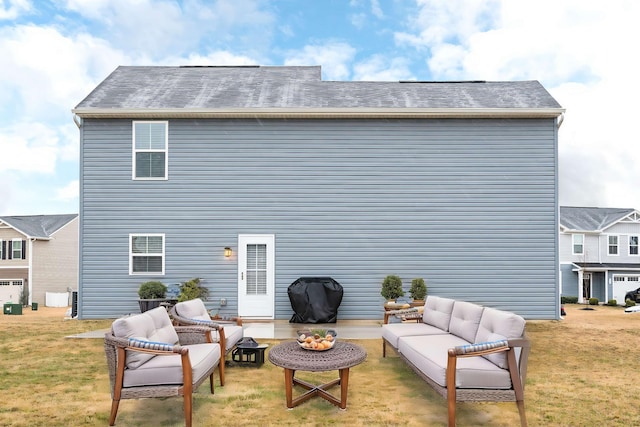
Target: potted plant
191,289
418,291
151,294
391,288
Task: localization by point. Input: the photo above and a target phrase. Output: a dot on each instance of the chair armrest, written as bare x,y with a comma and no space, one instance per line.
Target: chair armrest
194,334
414,311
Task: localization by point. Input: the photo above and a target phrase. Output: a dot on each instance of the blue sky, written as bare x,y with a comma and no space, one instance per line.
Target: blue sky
53,53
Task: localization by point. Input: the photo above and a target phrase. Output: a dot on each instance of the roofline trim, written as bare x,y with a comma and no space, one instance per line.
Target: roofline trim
319,113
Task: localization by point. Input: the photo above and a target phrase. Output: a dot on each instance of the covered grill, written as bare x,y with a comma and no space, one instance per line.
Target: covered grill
315,300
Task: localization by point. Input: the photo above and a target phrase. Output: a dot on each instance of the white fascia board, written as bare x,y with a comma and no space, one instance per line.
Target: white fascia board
319,113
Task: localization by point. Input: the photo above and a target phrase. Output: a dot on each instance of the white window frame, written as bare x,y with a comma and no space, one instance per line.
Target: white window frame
637,245
13,249
574,244
136,150
132,254
615,245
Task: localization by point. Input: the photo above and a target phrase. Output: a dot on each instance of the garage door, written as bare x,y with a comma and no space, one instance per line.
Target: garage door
10,291
623,283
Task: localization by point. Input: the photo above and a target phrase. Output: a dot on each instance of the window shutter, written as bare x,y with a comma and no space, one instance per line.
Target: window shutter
9,251
24,250
4,249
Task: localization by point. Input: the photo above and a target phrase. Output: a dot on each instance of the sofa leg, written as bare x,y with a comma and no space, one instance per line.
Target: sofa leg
384,348
188,408
523,416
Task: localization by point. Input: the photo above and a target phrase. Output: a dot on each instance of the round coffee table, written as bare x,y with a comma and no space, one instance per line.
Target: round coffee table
290,356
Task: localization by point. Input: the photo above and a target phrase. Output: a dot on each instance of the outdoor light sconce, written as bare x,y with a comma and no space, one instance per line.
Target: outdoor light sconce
227,252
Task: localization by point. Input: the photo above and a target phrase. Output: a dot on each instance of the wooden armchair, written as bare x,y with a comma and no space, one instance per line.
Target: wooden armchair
166,362
194,313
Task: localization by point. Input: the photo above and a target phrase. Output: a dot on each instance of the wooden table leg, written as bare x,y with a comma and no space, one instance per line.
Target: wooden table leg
344,385
288,386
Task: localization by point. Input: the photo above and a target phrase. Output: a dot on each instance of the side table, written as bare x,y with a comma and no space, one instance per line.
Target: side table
290,356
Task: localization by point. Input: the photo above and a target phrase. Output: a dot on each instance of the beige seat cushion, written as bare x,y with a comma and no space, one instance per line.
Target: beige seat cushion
393,331
166,370
429,355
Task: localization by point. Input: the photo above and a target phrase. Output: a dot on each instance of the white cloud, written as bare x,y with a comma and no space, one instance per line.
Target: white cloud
376,10
335,58
381,68
11,9
28,147
69,192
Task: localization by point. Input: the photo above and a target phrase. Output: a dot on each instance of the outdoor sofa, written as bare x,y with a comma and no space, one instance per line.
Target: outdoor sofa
465,351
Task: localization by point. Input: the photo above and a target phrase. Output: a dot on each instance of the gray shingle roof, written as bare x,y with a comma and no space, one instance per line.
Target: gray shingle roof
219,88
38,226
591,219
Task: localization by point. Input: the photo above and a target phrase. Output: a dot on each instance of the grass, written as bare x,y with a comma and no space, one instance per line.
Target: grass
580,374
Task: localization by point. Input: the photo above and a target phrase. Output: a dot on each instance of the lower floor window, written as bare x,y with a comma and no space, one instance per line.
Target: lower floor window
146,253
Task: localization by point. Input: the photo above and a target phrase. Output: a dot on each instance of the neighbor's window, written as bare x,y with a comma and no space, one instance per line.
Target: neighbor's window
613,245
578,244
146,253
633,245
16,249
150,140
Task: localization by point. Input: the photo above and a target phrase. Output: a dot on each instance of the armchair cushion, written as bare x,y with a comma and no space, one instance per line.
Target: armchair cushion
167,370
193,309
497,325
153,325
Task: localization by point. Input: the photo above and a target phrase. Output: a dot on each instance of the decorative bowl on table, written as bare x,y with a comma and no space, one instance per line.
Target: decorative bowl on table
317,339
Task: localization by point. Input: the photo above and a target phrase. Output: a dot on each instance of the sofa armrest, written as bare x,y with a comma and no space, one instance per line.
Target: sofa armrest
479,349
156,348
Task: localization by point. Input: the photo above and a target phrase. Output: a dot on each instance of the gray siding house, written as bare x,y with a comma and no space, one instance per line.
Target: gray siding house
455,182
38,254
599,252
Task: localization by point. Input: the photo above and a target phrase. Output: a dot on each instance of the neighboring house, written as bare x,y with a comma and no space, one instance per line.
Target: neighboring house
38,254
599,252
455,182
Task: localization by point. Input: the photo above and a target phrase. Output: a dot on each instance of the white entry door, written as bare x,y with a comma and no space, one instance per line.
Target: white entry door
256,276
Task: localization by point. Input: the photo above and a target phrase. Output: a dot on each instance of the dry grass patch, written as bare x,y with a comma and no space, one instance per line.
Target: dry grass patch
579,374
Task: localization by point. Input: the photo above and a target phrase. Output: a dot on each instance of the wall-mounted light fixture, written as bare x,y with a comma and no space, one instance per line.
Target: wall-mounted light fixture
227,252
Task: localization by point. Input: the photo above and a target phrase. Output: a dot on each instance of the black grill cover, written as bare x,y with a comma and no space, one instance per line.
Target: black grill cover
315,300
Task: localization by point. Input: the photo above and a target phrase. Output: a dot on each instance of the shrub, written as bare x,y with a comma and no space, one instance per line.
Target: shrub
391,287
152,290
569,300
418,289
593,301
629,303
612,302
191,289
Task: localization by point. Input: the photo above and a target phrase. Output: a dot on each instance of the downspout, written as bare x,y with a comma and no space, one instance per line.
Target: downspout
78,121
560,120
30,270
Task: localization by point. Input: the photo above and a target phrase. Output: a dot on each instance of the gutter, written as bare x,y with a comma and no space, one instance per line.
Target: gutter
314,113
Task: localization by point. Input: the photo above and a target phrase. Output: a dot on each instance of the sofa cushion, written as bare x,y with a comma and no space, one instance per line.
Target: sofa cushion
153,325
232,334
429,355
465,319
437,312
393,331
192,309
496,325
168,369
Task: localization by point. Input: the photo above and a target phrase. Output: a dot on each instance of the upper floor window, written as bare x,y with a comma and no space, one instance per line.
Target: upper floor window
613,245
150,141
12,249
146,253
633,245
16,249
578,244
